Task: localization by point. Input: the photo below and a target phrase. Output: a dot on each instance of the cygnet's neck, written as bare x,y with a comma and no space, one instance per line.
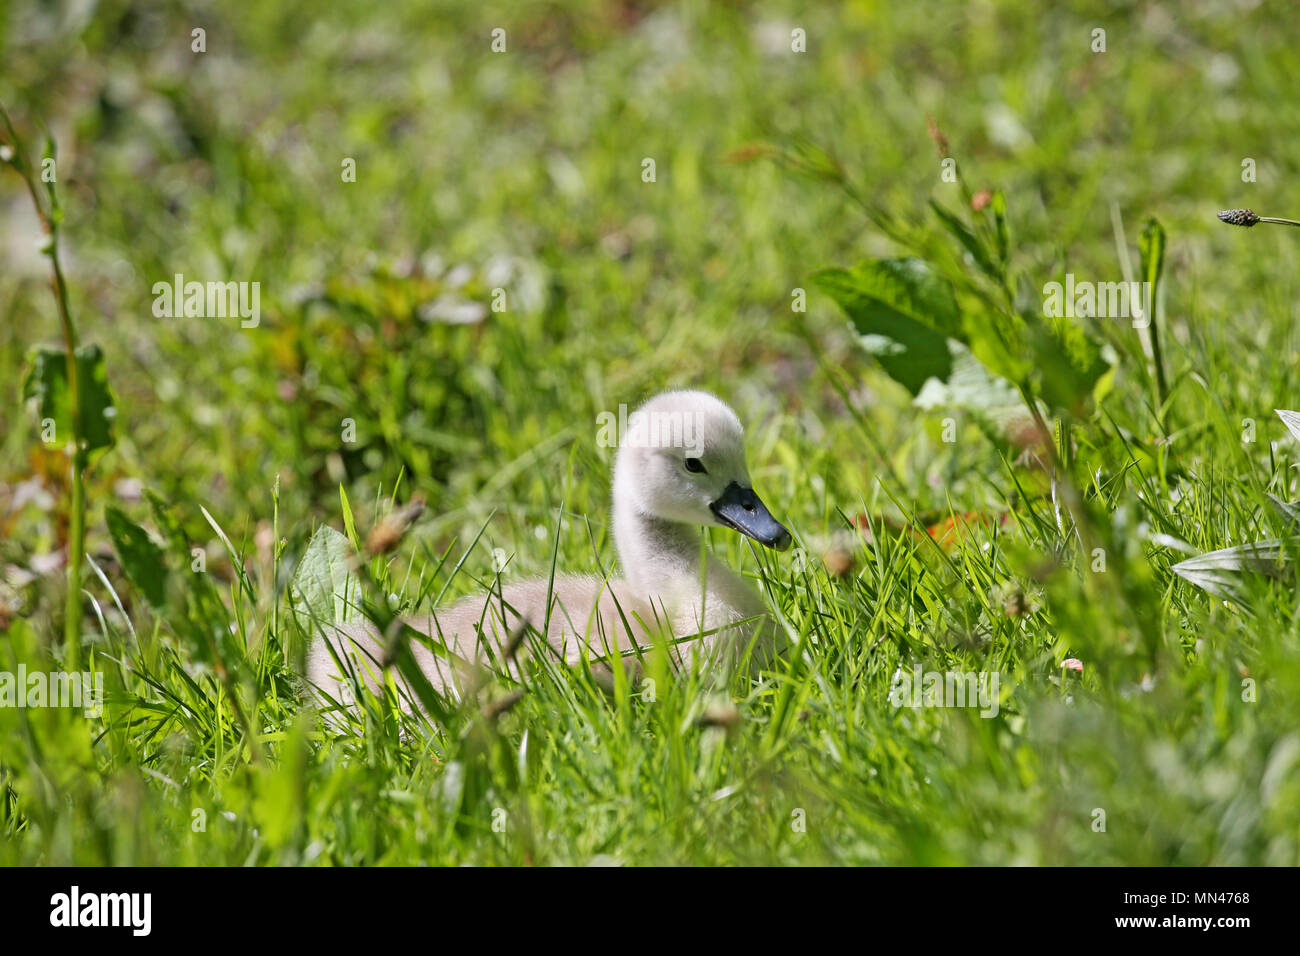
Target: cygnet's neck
656,555
661,563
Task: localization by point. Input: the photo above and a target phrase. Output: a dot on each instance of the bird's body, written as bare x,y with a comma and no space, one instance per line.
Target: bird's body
663,593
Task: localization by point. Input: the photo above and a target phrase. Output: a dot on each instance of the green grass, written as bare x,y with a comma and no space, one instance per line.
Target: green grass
525,169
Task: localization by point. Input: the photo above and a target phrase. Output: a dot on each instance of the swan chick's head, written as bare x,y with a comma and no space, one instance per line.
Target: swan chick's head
682,459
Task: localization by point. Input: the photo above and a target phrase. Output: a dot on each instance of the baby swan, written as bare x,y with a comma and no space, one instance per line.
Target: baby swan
681,464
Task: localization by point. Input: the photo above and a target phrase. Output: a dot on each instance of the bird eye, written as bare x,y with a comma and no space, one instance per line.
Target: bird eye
695,466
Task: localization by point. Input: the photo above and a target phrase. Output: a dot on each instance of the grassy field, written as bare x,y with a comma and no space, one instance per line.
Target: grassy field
946,533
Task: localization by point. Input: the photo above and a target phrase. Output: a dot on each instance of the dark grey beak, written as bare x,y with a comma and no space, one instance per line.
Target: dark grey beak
741,509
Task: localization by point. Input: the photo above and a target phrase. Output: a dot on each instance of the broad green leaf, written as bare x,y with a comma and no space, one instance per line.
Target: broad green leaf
168,526
904,313
325,588
1290,511
141,558
998,340
993,401
45,389
1291,420
1072,371
1219,572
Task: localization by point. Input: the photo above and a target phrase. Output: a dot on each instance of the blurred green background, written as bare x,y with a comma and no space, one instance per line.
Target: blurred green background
523,170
